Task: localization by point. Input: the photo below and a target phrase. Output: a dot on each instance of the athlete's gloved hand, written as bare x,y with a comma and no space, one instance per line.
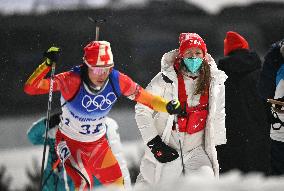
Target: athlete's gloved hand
51,55
173,107
54,120
162,152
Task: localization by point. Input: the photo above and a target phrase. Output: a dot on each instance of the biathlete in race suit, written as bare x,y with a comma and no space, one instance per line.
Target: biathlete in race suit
88,92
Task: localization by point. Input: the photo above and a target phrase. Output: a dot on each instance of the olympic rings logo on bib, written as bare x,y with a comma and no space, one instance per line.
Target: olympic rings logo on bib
99,102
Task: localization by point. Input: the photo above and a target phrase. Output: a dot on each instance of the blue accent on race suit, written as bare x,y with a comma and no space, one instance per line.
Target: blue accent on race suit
280,74
88,107
76,69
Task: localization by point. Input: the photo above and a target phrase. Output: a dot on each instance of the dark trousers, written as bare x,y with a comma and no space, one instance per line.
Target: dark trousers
277,157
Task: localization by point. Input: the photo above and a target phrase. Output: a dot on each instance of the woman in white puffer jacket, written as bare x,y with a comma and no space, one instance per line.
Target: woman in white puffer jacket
191,75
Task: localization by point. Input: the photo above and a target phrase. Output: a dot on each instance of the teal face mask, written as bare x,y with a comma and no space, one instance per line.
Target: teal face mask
192,64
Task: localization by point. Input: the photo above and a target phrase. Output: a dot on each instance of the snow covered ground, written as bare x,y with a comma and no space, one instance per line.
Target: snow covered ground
233,181
17,154
17,160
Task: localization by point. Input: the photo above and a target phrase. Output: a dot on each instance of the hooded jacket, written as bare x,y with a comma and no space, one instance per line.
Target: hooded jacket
151,124
272,62
247,148
267,82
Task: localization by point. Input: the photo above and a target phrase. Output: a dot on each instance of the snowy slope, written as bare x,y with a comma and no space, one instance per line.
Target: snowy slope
17,160
229,182
20,159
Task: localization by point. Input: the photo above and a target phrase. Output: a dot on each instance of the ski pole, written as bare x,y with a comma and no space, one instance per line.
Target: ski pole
48,176
47,121
179,141
98,23
54,166
65,179
97,33
179,138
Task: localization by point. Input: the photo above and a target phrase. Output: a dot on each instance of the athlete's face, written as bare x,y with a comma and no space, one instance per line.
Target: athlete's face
193,52
98,75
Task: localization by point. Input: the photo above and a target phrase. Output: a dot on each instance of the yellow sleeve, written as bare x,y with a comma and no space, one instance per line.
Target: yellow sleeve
36,84
155,102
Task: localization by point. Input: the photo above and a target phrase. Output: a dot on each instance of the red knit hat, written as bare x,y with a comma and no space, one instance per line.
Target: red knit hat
188,40
98,54
234,41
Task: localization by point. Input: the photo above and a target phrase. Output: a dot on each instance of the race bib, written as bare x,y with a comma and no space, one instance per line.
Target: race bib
63,151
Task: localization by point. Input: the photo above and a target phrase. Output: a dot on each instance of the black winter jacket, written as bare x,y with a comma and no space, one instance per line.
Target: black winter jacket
266,86
247,147
272,62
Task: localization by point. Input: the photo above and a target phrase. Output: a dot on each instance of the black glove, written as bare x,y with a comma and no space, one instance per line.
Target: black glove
162,152
52,55
54,120
173,107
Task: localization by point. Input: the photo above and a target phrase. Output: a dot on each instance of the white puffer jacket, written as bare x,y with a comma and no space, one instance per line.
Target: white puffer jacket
215,132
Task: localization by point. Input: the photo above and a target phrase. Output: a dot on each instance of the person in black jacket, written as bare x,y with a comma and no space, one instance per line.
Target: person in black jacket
271,85
247,147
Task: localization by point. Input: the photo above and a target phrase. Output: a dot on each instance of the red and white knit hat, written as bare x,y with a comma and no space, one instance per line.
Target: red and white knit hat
188,40
98,54
234,41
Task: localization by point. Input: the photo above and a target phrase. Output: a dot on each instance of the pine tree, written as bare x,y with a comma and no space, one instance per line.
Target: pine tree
4,180
34,177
